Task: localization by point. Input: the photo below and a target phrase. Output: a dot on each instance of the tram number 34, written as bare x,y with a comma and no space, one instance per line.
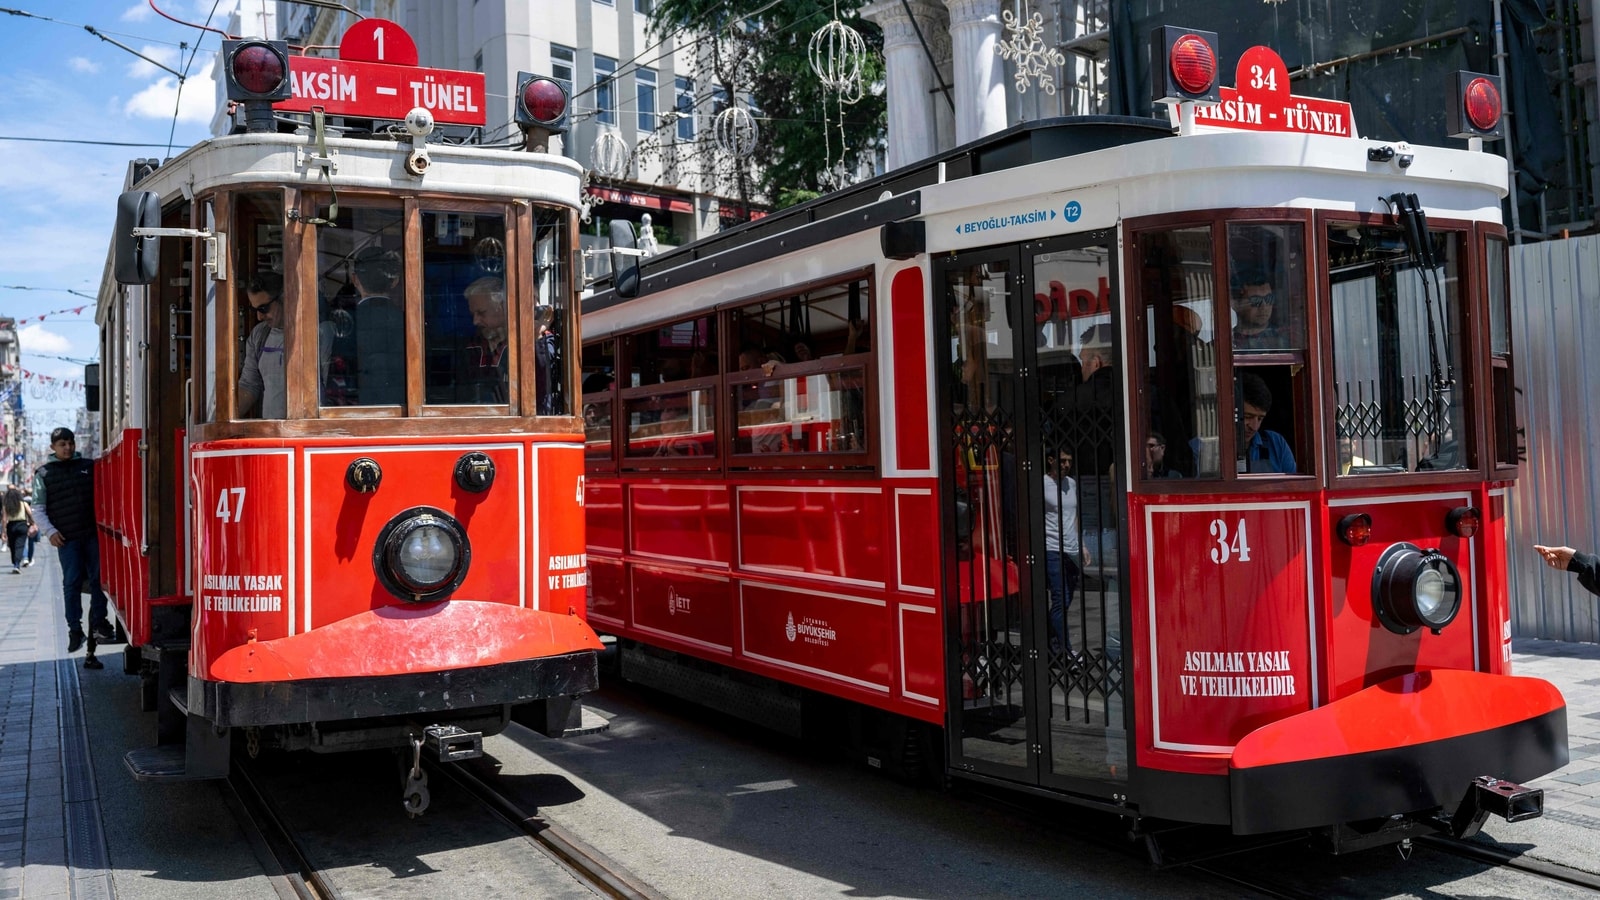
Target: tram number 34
234,512
1230,549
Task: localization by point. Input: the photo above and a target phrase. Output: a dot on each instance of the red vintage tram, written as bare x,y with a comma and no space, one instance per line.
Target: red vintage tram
341,503
1158,467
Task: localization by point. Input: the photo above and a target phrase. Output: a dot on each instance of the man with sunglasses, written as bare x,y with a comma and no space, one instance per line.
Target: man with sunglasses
1255,300
262,379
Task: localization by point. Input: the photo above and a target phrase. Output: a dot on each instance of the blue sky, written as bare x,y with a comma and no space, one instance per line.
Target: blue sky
57,81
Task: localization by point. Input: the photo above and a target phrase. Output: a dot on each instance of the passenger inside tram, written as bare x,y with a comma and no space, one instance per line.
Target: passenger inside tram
486,365
380,328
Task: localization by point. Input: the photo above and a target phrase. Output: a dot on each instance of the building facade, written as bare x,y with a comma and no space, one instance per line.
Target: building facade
642,112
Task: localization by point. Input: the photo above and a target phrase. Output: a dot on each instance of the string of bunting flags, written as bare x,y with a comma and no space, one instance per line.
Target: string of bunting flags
40,386
76,311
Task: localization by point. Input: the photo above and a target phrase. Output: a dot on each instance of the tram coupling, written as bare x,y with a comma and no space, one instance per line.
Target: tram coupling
449,744
1486,796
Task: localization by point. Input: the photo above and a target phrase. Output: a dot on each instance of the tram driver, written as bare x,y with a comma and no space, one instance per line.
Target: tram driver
1255,302
263,392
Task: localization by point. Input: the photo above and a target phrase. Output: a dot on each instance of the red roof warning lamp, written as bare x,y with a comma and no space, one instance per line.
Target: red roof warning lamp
1183,65
541,108
257,74
1476,110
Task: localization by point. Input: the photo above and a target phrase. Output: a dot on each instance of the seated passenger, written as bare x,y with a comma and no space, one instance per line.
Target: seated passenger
485,369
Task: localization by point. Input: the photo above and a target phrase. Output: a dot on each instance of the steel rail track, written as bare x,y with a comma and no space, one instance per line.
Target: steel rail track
1495,856
267,830
583,861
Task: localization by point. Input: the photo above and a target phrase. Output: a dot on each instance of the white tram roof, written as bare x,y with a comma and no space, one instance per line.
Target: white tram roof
1034,183
372,164
366,164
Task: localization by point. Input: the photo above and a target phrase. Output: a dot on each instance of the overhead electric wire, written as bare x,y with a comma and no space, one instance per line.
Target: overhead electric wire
53,140
96,31
177,103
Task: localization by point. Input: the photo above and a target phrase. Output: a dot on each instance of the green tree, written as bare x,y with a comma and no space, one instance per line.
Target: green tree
760,48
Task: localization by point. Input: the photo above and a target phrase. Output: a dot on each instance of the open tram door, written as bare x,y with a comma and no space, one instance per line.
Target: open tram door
1032,425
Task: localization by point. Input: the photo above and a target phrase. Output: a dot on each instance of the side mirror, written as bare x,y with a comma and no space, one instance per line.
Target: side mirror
626,280
91,387
135,258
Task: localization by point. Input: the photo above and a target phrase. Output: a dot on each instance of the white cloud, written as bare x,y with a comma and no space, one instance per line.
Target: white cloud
39,339
138,12
199,100
84,66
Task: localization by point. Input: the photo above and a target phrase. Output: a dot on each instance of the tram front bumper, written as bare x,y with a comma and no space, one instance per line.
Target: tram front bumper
401,660
1409,744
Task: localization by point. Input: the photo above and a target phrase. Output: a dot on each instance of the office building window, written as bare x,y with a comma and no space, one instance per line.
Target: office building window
562,65
645,80
644,7
685,107
605,89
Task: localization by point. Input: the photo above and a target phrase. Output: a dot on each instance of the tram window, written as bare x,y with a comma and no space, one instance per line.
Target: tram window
677,352
668,394
671,424
1175,283
801,385
263,303
1266,288
554,334
599,379
1396,351
468,316
1506,451
361,291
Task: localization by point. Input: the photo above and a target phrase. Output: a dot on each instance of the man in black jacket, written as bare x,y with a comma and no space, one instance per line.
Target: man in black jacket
63,507
1586,565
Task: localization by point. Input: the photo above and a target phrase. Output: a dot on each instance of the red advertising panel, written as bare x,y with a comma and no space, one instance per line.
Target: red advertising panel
829,635
561,573
1230,615
243,511
696,609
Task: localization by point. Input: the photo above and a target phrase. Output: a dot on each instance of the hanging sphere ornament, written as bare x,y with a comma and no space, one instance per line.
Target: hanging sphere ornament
609,158
837,52
735,131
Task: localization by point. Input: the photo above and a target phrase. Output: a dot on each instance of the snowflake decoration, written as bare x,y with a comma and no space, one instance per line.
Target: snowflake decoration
1028,49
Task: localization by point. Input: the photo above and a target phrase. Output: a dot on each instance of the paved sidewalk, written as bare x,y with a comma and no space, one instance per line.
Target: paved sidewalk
51,844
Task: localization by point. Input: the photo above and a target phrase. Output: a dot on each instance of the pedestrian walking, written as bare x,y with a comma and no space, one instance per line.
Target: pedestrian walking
1586,565
63,496
19,526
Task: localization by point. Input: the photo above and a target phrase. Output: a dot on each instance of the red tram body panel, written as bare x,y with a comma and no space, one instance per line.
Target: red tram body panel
342,501
1157,467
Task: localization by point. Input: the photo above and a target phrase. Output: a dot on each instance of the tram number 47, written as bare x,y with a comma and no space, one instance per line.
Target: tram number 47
233,512
1230,549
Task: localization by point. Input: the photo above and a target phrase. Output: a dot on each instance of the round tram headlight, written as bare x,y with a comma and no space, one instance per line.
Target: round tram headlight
422,554
1415,588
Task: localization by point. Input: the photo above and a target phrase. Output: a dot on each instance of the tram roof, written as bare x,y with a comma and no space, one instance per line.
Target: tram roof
1118,167
366,165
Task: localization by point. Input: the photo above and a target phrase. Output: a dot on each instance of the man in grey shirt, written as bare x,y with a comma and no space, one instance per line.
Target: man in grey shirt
262,379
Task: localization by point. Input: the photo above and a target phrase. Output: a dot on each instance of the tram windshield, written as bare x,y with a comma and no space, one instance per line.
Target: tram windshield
1396,352
430,310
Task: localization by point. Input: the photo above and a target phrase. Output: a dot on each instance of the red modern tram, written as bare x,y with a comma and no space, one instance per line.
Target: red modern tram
1154,466
341,503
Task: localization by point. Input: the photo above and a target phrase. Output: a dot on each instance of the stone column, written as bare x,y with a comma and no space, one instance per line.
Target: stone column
980,73
911,82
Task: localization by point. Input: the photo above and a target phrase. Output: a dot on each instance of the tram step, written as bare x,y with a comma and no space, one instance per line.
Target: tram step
167,762
179,698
